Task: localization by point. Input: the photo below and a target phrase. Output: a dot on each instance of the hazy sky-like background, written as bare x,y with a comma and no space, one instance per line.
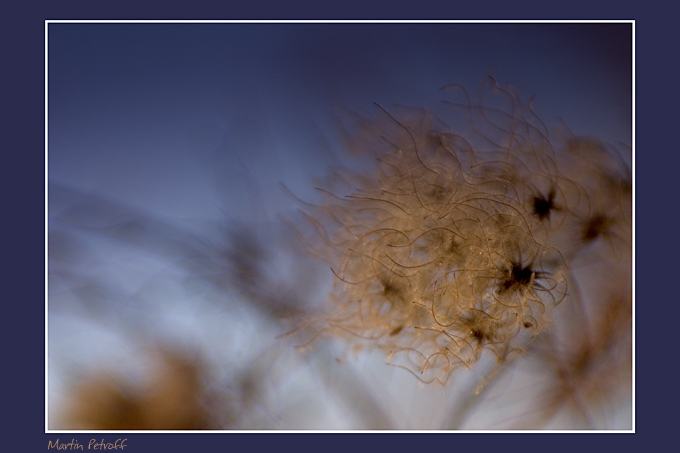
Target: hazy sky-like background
166,115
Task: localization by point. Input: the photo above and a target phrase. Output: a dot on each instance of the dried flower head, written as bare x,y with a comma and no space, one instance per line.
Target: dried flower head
445,249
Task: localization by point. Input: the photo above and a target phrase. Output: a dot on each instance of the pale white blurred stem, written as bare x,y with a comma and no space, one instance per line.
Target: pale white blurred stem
350,388
470,385
469,388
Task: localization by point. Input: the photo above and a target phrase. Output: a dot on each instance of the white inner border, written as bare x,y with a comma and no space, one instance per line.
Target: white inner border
47,22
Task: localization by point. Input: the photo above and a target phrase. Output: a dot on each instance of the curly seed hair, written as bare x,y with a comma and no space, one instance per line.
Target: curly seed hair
453,245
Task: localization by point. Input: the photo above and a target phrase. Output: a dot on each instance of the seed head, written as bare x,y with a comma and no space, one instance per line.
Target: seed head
446,248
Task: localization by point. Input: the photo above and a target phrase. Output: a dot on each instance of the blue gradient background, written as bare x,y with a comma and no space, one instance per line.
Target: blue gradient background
147,113
202,122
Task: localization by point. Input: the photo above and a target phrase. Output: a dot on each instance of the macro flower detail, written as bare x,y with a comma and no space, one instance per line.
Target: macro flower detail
453,245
